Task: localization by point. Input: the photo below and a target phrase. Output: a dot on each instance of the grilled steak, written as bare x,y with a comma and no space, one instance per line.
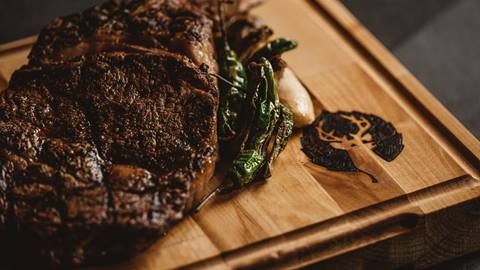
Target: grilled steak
181,26
101,155
108,135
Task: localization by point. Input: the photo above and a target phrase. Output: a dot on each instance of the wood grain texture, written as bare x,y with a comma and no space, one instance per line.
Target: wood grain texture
424,210
12,56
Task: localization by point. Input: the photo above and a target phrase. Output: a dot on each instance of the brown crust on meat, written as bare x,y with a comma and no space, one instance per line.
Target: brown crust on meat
112,142
108,135
175,25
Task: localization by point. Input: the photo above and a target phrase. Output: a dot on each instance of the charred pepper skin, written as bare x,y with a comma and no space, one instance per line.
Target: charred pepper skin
250,112
272,125
274,48
232,96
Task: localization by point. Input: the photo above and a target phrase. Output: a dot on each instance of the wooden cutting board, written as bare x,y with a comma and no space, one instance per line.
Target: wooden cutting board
425,208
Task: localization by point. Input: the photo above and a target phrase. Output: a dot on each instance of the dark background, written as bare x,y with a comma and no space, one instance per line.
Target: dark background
438,40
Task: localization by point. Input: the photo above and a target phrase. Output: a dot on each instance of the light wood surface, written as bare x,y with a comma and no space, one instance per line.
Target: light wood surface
424,210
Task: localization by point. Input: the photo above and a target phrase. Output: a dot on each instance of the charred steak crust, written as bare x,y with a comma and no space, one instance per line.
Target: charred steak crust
108,135
181,26
104,146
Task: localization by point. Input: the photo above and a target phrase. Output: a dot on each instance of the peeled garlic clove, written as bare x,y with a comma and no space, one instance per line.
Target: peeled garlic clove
295,97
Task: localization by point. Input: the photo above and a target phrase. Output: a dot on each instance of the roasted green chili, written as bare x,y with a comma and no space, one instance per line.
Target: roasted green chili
232,96
271,125
250,113
273,48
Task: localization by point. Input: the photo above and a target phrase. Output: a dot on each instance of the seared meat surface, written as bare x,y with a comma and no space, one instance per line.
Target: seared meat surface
180,26
108,135
186,27
107,147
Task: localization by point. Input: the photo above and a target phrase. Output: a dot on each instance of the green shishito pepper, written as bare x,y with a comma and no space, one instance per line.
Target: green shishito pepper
274,48
250,113
266,125
232,95
268,132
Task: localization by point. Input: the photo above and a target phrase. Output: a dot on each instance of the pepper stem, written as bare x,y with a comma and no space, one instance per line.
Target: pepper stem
206,199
